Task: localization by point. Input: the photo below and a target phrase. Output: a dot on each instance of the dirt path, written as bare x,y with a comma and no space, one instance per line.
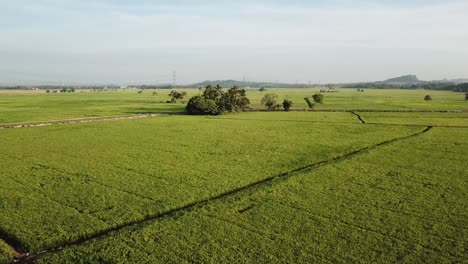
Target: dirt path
81,120
31,258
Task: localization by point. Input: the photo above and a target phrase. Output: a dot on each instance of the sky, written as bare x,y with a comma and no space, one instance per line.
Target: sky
143,42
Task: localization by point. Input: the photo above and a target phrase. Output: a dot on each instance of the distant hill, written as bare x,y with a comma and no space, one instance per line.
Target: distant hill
458,81
231,83
406,79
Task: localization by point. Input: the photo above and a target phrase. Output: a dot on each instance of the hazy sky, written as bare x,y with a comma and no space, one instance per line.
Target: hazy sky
124,41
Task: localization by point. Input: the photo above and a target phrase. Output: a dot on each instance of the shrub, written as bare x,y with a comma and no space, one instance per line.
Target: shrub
466,96
175,96
198,105
262,89
287,104
318,98
427,98
309,103
269,101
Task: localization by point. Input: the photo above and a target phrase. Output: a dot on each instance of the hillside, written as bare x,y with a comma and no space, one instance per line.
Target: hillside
406,79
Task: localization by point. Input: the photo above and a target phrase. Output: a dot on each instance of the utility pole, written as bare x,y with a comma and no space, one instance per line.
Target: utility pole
174,79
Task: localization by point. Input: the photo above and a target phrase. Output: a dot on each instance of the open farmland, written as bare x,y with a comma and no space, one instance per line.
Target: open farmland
34,106
259,186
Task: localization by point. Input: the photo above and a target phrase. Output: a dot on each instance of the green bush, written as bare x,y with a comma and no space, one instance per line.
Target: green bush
318,98
269,101
199,105
287,104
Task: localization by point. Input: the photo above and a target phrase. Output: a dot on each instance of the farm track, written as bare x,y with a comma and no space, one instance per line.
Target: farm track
147,115
31,258
82,120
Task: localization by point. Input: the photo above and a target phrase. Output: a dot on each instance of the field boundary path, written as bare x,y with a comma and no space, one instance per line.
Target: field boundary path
82,120
358,116
31,258
147,115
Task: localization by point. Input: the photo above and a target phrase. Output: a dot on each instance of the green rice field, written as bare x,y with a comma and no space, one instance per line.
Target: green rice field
362,183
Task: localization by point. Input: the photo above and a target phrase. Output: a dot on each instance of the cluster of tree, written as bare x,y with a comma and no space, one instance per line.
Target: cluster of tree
63,90
269,101
176,96
216,101
360,90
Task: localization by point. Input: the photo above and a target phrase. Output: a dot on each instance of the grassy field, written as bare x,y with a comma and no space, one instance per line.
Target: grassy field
27,106
373,208
252,187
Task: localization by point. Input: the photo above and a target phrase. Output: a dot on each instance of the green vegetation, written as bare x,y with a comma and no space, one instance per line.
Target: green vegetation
6,254
269,101
215,101
269,187
97,175
427,119
27,106
377,207
318,98
176,96
287,104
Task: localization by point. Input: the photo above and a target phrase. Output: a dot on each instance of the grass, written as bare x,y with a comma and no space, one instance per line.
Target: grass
79,179
28,106
378,207
39,106
252,187
6,254
371,99
428,119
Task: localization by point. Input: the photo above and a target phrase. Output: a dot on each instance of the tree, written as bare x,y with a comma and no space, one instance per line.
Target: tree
233,100
466,96
287,104
269,101
199,105
213,93
72,90
175,96
262,89
427,98
48,91
215,101
318,98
